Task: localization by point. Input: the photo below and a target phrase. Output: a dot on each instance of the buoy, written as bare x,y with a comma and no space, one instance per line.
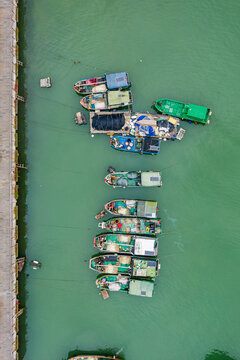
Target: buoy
35,264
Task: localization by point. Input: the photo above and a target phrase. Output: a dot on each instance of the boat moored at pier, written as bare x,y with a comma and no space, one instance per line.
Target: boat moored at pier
124,207
125,264
132,225
124,243
134,179
190,112
126,284
103,83
147,145
107,100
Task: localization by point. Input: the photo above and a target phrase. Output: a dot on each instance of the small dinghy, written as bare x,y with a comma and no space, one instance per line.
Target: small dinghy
133,179
126,284
102,84
125,264
132,225
190,112
107,100
139,208
145,145
123,243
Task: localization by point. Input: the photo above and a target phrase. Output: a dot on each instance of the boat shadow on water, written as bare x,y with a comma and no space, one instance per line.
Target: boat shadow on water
219,355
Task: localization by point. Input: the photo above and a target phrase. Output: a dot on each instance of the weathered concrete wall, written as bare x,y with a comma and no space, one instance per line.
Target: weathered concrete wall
8,210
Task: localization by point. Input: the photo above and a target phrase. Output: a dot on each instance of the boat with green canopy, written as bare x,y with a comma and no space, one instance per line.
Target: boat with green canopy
139,208
125,264
133,179
107,100
132,225
124,243
126,284
93,357
190,112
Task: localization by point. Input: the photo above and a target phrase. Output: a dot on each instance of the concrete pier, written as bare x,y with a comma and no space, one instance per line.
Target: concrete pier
8,177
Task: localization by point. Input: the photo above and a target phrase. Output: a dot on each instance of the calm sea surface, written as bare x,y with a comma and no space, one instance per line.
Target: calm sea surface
189,50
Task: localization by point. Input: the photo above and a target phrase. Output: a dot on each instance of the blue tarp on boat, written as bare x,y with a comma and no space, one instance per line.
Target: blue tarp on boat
117,81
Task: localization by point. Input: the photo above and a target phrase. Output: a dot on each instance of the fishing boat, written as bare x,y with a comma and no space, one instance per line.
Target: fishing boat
162,127
101,84
124,243
145,145
195,113
131,225
93,357
125,284
133,179
107,100
125,264
139,208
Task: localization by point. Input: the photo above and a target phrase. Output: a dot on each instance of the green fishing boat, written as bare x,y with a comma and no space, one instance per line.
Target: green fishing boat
125,264
126,284
139,208
124,243
133,179
132,225
190,112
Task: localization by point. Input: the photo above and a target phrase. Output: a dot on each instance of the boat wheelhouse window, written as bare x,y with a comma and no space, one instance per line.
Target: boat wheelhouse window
108,122
117,80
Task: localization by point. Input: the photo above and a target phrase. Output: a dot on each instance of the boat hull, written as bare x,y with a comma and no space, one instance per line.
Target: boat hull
125,264
107,100
184,111
149,146
134,179
141,208
125,284
125,243
126,225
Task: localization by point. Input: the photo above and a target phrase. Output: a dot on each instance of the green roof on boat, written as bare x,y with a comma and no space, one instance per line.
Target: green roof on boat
141,288
147,209
118,97
197,112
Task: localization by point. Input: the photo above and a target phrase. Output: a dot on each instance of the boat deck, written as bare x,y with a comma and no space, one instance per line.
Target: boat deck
132,225
125,129
174,108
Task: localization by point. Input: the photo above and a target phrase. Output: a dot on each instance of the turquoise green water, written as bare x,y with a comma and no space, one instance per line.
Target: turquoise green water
189,52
